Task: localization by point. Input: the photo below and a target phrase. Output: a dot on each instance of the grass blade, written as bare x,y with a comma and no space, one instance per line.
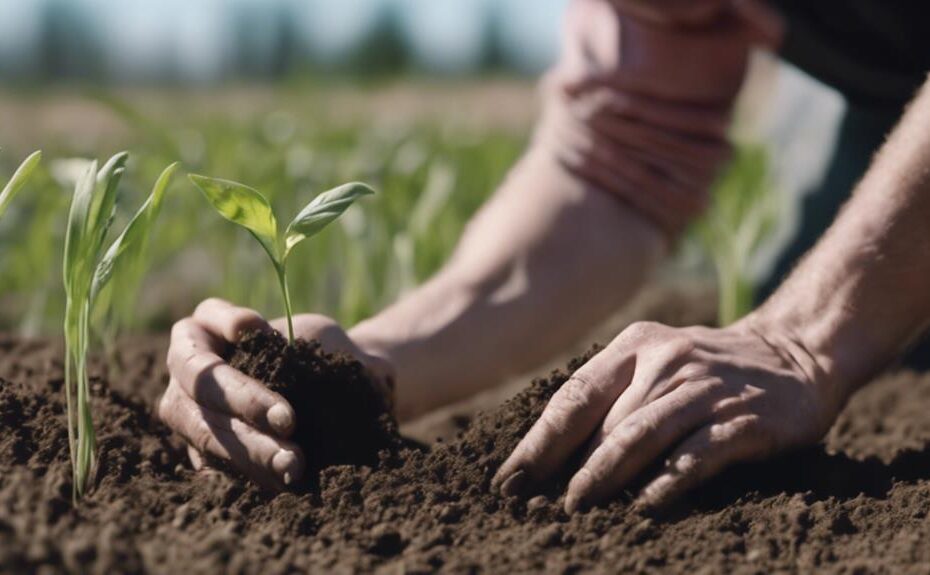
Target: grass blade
19,179
128,247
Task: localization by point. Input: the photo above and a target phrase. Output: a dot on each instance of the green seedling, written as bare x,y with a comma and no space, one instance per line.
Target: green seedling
18,181
248,208
742,218
86,271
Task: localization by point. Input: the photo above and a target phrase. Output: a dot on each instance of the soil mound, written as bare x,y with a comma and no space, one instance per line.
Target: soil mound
858,503
341,418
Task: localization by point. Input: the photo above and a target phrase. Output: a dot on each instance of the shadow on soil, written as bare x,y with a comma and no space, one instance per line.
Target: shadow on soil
815,472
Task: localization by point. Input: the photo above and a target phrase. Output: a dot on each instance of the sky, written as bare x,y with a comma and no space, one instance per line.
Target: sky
198,39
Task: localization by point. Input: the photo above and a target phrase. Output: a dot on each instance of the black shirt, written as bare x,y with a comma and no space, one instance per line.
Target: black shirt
875,52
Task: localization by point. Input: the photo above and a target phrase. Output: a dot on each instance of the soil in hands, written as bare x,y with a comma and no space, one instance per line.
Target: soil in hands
856,504
342,419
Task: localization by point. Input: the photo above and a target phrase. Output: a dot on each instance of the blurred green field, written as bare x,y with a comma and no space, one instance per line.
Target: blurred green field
430,176
434,153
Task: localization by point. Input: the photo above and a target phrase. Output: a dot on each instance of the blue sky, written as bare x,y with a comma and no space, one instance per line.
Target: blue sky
195,38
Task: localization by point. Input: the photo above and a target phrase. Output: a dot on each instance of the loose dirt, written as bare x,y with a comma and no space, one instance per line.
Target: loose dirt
342,419
856,504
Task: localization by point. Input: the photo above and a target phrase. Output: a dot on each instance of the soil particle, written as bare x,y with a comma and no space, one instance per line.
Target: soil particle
857,503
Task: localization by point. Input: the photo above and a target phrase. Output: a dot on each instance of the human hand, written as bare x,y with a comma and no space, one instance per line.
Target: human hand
710,397
234,418
640,106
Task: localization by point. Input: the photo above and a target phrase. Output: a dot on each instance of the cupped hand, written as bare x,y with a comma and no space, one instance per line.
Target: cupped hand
227,415
700,399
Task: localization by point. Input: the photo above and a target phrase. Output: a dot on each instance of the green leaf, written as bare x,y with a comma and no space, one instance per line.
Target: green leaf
244,206
77,220
323,210
128,247
18,181
103,206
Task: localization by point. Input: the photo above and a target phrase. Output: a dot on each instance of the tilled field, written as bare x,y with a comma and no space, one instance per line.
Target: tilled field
857,504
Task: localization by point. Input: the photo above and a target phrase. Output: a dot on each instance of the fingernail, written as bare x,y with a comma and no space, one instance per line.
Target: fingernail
573,503
286,464
514,485
280,418
578,488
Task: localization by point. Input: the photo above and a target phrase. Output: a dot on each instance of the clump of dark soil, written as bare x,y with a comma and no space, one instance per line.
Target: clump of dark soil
856,504
342,419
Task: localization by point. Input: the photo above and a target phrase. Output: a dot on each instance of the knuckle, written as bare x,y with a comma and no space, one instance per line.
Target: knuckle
639,330
201,437
631,432
677,347
208,303
194,365
575,395
690,464
181,328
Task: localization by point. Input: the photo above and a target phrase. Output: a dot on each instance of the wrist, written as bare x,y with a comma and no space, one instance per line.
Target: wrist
803,343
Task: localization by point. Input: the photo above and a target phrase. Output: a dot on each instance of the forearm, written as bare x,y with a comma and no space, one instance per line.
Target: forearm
863,294
628,144
541,263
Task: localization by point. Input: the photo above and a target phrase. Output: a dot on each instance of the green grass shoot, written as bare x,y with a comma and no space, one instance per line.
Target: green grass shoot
743,215
18,181
87,268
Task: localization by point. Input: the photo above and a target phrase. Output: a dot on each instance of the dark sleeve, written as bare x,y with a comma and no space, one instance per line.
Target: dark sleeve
873,51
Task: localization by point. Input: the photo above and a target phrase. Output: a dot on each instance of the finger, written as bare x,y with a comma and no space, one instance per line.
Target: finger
627,158
669,202
332,338
227,321
670,182
265,459
567,421
638,440
664,369
678,149
710,122
195,457
210,381
705,454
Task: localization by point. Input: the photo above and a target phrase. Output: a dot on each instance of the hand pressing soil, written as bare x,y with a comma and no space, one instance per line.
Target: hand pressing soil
342,417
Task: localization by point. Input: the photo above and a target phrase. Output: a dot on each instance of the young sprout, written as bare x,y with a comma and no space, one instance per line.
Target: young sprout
86,271
742,218
248,208
18,180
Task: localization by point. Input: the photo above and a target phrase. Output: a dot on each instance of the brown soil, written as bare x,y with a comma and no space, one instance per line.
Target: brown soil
341,417
857,504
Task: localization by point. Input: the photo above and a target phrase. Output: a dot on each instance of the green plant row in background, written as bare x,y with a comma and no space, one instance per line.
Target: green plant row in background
430,181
